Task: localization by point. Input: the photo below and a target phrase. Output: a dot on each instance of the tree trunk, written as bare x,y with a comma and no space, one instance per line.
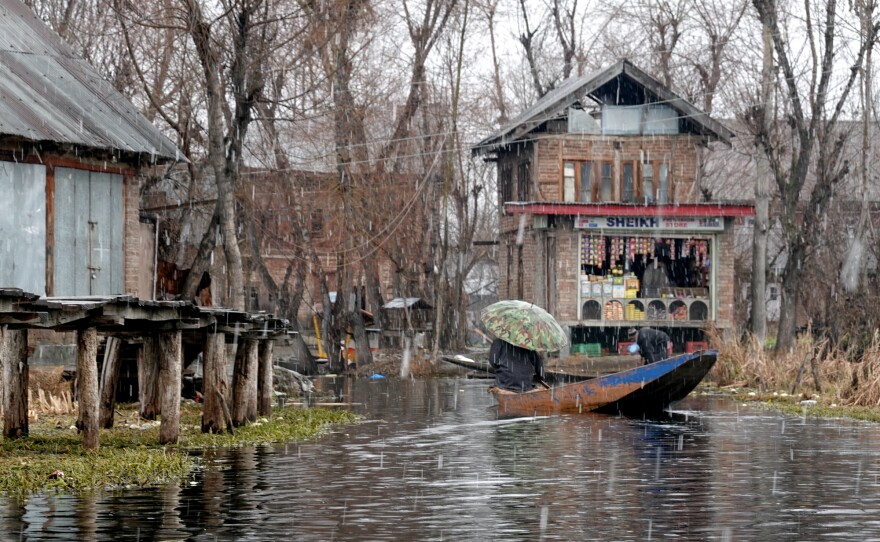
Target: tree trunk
13,357
762,198
791,278
87,386
170,350
148,378
265,387
109,380
244,383
214,419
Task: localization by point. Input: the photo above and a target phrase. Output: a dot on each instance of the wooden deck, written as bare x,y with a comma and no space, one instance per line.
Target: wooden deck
160,327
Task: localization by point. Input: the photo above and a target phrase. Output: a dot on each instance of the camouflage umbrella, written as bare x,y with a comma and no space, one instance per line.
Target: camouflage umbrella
524,324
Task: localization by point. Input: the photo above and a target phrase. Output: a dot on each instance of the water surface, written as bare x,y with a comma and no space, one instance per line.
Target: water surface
432,462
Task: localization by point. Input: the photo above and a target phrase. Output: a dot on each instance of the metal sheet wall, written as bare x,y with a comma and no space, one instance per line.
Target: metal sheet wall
89,258
23,227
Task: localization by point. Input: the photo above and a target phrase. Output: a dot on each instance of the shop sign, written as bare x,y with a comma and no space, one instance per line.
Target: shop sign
701,223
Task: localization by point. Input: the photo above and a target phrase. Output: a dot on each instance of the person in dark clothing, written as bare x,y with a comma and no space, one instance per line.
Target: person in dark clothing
652,344
515,367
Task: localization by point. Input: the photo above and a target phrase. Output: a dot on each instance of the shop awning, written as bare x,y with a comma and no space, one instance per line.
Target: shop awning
714,209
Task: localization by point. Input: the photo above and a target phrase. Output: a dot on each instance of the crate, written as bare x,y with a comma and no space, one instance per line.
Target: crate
593,350
695,346
622,347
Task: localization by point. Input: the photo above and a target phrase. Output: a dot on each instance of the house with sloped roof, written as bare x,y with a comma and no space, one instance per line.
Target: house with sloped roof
604,219
71,148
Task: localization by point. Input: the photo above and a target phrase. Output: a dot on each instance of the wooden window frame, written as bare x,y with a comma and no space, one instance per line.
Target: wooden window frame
617,180
523,180
595,168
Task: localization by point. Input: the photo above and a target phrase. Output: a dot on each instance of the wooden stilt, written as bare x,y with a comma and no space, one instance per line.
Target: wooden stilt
265,387
214,385
109,380
87,386
13,357
148,378
170,351
244,383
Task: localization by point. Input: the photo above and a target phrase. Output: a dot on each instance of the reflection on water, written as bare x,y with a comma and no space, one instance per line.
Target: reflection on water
433,463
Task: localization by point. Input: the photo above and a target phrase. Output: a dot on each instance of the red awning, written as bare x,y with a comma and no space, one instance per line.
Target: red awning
629,209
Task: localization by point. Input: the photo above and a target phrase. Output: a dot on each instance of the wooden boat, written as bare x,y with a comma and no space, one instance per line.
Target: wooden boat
643,389
482,366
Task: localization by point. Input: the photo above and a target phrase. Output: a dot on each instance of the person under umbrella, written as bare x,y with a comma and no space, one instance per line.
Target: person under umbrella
516,368
652,344
521,330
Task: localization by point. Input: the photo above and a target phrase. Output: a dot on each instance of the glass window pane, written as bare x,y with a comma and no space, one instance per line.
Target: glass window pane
648,183
607,182
568,182
628,183
663,185
586,182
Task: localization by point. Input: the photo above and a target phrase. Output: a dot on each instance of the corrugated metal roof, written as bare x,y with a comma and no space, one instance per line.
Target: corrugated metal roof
400,302
574,88
47,93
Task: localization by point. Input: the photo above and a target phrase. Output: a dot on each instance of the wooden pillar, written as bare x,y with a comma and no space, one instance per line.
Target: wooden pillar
13,358
87,386
215,412
265,387
170,352
109,380
148,377
244,383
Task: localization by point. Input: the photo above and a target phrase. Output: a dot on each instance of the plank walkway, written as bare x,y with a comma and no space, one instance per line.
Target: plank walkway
162,327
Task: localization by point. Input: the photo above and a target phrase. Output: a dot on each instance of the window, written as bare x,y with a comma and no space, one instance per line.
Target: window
631,182
579,181
663,184
523,180
648,192
627,181
317,221
607,181
587,189
506,183
568,181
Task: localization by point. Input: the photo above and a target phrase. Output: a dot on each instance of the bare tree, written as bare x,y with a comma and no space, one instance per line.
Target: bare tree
811,127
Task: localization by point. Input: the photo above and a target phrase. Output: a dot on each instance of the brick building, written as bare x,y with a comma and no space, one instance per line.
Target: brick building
604,222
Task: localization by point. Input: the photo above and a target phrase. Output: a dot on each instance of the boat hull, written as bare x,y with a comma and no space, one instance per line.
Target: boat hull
643,389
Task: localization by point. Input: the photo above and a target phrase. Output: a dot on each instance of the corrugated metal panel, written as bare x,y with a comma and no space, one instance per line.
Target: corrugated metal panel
400,302
48,94
89,256
71,232
23,227
105,234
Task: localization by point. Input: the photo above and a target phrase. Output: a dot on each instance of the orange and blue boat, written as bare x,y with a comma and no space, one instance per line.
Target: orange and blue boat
644,389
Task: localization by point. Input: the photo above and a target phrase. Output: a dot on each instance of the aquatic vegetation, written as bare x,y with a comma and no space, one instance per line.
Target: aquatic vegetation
52,457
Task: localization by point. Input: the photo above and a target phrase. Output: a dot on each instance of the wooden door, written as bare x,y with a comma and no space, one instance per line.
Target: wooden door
89,258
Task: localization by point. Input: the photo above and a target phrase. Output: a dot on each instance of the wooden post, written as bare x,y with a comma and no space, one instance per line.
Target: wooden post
170,351
244,383
148,377
109,380
13,357
215,412
265,388
87,386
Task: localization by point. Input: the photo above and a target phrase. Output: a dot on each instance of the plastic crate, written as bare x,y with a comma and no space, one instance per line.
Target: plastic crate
622,348
695,346
593,350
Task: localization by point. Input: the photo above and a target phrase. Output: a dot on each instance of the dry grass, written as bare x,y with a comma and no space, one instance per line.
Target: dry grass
48,392
746,363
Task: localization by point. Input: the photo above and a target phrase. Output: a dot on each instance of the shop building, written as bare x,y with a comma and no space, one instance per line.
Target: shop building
604,222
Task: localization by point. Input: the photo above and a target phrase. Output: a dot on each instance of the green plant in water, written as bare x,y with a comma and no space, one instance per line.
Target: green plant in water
130,456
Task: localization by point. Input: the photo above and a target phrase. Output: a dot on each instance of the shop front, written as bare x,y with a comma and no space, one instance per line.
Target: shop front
650,271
